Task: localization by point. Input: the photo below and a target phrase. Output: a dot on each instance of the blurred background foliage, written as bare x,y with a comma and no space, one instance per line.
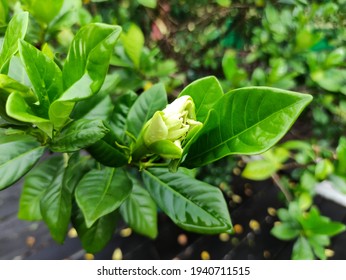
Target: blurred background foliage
298,45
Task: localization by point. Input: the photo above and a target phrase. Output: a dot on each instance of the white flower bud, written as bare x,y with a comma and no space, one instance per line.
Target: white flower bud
165,132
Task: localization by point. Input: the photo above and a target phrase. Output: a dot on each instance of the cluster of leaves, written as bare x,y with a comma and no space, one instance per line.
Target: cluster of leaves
297,45
64,115
297,168
301,46
311,229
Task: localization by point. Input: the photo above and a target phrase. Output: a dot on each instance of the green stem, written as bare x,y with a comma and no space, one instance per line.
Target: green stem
140,150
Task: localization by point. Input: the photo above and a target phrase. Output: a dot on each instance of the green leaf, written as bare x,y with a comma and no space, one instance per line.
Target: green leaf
285,231
224,3
271,162
139,211
133,42
16,71
191,204
56,203
150,101
85,68
302,250
77,167
78,135
18,108
107,152
317,247
341,156
284,215
315,223
43,10
246,121
205,93
99,107
18,154
305,200
230,65
94,238
44,74
3,12
121,109
323,169
331,79
259,169
89,54
16,30
100,192
336,57
35,186
148,3
7,86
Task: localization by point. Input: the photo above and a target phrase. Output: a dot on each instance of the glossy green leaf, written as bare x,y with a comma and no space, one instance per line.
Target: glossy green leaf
205,93
43,10
108,152
150,101
121,109
285,231
246,121
302,250
133,42
7,86
18,154
16,30
89,54
78,135
94,238
100,192
148,3
35,186
44,74
98,107
56,203
16,71
191,204
85,68
139,211
77,167
18,108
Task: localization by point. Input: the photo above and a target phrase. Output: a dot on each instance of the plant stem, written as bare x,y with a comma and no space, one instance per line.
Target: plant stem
277,182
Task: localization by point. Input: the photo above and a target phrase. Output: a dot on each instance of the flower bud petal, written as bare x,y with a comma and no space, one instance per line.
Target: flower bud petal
156,129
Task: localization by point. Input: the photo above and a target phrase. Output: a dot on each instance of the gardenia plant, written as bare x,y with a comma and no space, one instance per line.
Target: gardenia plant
89,160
